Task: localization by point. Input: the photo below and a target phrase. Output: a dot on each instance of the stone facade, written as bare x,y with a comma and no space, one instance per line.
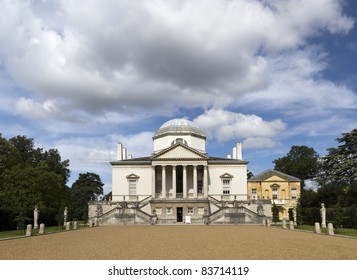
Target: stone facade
281,189
180,183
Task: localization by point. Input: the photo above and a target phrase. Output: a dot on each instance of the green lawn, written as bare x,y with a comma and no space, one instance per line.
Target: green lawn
14,233
341,231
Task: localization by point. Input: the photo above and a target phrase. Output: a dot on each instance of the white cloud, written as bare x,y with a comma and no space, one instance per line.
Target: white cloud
84,70
225,125
260,142
33,110
190,54
297,87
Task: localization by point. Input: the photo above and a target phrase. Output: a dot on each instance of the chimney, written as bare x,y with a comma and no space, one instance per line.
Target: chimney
239,151
120,151
124,154
234,152
130,157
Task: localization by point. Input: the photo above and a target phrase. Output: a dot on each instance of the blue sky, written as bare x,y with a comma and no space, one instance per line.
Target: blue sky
80,77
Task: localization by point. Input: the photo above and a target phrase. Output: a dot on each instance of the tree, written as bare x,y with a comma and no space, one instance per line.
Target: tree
309,198
87,187
275,212
9,156
24,188
30,176
108,196
300,162
340,164
48,160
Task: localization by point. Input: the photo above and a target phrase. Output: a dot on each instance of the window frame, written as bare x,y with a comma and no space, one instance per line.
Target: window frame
294,191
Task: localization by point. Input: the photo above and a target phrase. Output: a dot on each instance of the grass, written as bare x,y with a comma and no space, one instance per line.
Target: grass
18,233
340,231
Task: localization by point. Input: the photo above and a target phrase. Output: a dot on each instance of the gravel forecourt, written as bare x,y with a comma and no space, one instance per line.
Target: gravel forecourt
180,242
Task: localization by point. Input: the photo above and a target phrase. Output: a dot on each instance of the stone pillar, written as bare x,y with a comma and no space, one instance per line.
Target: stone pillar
75,224
205,181
29,230
65,212
268,222
291,225
36,214
95,222
323,215
330,229
163,181
317,228
42,229
153,182
174,181
184,181
195,181
284,223
263,222
295,216
68,225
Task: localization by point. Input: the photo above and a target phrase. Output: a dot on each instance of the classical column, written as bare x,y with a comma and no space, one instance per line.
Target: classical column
184,179
195,181
205,181
163,190
153,181
174,181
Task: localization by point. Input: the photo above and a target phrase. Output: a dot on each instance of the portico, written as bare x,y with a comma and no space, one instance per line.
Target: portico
180,180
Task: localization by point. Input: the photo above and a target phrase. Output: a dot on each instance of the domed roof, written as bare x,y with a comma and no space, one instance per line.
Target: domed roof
179,126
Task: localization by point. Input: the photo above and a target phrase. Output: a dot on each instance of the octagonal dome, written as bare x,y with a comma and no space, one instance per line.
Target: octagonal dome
179,127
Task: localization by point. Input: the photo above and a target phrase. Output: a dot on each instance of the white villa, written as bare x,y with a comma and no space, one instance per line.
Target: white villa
179,183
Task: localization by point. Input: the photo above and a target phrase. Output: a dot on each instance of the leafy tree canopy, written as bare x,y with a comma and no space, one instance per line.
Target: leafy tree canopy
30,176
340,164
300,162
87,187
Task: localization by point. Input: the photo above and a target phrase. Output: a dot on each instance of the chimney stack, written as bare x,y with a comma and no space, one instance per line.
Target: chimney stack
239,151
120,151
234,152
124,154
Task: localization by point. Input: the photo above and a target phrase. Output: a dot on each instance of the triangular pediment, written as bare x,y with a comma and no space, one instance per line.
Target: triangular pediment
132,176
273,175
274,178
226,176
180,151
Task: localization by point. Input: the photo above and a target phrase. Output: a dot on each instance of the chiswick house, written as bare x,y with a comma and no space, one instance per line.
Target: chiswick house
179,183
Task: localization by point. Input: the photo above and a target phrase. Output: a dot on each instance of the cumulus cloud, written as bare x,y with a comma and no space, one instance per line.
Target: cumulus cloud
224,125
260,142
126,56
89,69
297,87
34,110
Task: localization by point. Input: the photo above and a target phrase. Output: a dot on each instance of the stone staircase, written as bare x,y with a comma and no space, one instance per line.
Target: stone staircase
232,213
127,213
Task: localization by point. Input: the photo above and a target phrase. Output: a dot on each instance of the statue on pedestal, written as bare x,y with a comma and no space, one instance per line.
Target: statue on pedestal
36,214
65,215
323,215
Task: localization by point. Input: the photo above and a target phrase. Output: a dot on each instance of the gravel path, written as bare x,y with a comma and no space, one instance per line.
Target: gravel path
180,243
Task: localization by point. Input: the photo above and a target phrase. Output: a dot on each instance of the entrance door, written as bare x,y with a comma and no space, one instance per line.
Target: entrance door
179,214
